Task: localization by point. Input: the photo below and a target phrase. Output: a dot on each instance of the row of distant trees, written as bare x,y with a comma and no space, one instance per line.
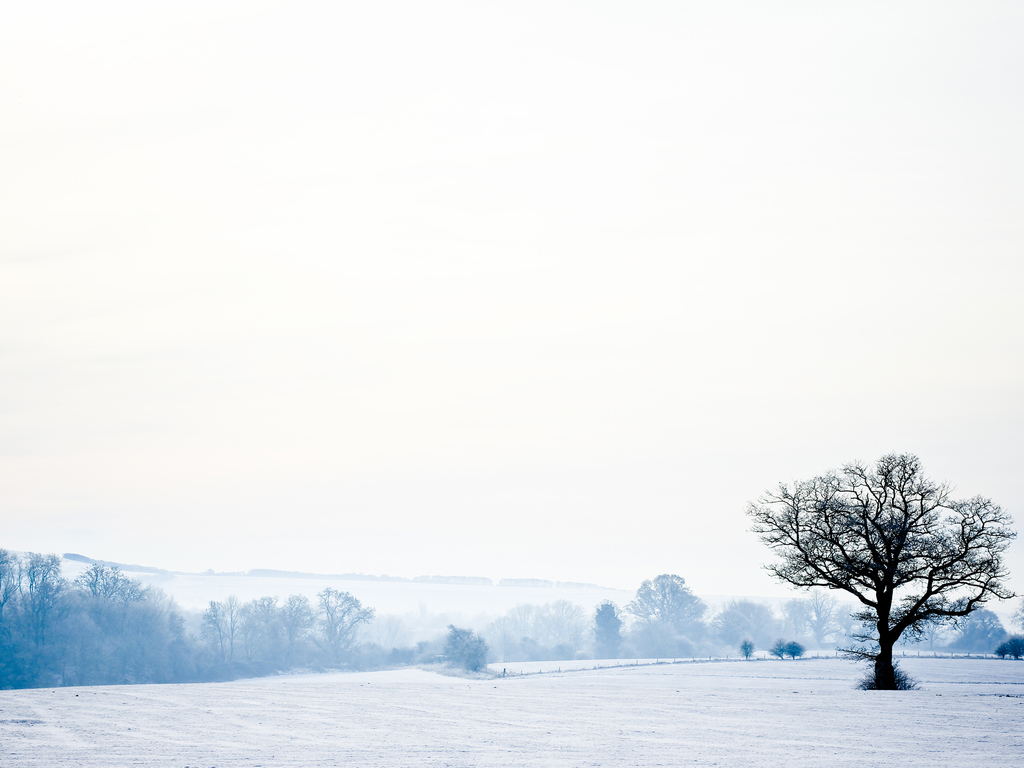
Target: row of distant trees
261,633
664,620
104,628
667,620
100,628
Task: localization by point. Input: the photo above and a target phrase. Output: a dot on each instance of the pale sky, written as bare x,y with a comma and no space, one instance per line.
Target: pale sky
541,290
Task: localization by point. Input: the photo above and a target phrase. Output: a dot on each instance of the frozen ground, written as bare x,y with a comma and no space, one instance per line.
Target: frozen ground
763,713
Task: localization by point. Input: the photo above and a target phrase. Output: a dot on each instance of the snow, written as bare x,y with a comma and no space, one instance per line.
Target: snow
757,713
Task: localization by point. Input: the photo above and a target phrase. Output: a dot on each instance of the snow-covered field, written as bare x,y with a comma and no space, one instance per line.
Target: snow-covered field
761,713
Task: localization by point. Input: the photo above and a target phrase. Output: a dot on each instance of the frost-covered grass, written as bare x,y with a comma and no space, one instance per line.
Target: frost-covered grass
758,713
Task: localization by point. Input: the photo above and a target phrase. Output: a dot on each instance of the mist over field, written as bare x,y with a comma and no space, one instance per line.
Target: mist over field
73,621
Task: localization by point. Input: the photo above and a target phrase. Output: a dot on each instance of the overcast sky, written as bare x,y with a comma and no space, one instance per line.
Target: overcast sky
525,289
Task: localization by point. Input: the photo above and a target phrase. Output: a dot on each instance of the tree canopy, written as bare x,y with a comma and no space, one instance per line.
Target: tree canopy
667,599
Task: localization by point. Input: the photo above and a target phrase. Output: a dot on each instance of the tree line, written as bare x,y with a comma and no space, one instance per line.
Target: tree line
106,628
666,620
100,628
261,635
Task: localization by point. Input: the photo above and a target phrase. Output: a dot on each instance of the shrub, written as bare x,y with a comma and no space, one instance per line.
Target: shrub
793,649
1014,646
464,648
904,682
747,649
401,657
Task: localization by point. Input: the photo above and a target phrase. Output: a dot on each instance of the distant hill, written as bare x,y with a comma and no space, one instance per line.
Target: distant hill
111,564
473,581
273,573
479,581
543,583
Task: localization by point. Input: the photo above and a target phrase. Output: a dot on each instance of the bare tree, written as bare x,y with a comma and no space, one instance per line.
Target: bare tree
846,621
10,579
893,539
388,631
214,628
231,609
340,617
1018,617
822,617
561,623
108,583
934,631
740,618
521,618
667,599
797,613
501,634
261,629
43,588
730,626
296,619
747,649
979,633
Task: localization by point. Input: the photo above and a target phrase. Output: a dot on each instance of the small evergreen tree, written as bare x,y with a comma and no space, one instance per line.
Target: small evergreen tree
607,630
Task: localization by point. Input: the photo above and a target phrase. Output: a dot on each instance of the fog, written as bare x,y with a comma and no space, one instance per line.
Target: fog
66,622
540,290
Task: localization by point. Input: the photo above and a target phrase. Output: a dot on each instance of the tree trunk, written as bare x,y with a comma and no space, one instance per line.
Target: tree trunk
885,674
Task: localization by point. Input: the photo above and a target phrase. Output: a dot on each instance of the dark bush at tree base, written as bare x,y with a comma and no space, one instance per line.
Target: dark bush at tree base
904,682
